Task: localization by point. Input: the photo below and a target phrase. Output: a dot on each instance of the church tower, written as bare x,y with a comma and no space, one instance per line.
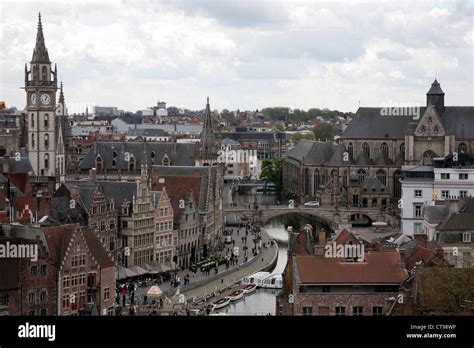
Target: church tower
208,147
41,86
435,97
60,137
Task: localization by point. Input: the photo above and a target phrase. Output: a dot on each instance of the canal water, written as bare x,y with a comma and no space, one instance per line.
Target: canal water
262,301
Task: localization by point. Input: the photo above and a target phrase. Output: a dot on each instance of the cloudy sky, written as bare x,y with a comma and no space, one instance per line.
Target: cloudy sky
243,54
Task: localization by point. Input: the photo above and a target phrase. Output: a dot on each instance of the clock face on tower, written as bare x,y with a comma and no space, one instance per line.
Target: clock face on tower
45,99
33,99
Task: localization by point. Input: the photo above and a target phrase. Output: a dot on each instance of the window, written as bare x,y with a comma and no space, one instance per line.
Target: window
46,140
65,300
31,297
4,300
366,148
462,147
402,149
106,293
340,311
462,194
43,312
33,141
382,177
418,210
377,310
46,160
43,295
463,176
417,228
466,237
46,120
31,313
445,176
65,281
34,271
445,194
384,149
350,149
44,270
418,193
32,121
357,311
307,310
326,289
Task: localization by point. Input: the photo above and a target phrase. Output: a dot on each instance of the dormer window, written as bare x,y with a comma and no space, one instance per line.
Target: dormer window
98,163
165,161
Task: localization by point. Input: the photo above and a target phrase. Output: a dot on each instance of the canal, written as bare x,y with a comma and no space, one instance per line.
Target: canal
262,301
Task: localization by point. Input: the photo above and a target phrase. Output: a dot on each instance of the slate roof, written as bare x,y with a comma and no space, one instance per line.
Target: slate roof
118,190
371,182
462,221
368,123
435,88
180,154
435,213
21,166
147,132
314,153
364,160
96,248
253,136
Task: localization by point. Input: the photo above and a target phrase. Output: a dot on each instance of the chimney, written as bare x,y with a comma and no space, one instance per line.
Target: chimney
92,174
421,239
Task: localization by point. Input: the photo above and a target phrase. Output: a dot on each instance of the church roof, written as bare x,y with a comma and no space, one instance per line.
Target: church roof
40,52
313,153
435,88
180,154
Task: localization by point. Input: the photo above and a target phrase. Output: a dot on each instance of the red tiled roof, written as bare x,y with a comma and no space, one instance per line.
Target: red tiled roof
378,267
420,254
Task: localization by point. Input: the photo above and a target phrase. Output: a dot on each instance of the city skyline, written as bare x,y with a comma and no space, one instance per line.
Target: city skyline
253,55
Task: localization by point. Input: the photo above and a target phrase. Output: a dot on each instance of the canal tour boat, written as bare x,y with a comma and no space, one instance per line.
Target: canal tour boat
236,295
221,303
275,281
249,288
256,278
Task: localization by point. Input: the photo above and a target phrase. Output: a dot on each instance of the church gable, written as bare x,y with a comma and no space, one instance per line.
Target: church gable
430,124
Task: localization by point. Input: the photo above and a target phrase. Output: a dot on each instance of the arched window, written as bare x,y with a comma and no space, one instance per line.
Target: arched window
32,141
366,148
115,154
361,175
114,163
46,120
382,176
428,157
35,72
152,156
46,140
317,180
345,178
46,160
402,149
334,175
98,163
131,163
165,161
350,149
44,73
32,120
462,147
384,149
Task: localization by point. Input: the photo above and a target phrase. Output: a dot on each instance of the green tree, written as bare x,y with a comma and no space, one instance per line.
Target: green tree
324,131
298,136
272,171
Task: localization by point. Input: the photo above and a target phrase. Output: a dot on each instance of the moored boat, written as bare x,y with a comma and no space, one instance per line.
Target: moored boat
210,308
274,281
249,288
236,295
221,303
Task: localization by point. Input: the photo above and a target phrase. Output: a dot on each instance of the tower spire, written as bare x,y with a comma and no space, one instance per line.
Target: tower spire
61,95
40,53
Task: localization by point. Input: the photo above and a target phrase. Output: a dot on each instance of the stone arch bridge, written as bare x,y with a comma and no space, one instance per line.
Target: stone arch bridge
326,214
